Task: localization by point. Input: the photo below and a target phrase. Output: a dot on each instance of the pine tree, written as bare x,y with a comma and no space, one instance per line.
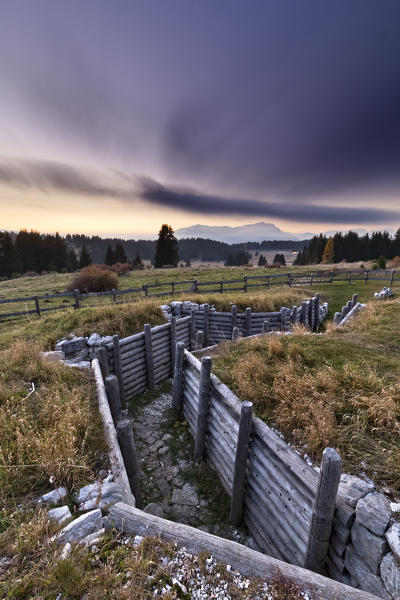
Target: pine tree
262,261
9,260
329,251
119,254
166,248
72,261
279,259
110,256
85,258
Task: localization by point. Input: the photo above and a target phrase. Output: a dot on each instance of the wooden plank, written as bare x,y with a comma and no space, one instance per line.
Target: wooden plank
242,449
118,369
113,395
323,509
149,357
206,328
248,562
128,450
202,414
178,380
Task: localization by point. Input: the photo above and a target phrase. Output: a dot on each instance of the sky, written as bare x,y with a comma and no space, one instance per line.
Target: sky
117,116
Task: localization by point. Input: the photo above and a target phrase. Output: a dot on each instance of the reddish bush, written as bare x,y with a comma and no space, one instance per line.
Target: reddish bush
94,278
121,268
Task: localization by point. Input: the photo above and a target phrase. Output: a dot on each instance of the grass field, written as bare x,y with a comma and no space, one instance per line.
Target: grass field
340,389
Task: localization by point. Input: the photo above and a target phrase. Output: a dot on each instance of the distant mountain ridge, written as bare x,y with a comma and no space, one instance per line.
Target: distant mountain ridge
253,232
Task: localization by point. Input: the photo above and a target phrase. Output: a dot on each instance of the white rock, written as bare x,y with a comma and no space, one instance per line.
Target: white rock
137,540
53,356
393,537
94,339
66,551
81,527
395,507
60,514
99,495
55,496
93,538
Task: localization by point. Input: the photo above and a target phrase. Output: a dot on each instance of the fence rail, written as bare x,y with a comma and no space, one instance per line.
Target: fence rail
76,299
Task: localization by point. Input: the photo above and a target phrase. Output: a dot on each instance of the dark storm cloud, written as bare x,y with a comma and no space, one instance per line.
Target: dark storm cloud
194,202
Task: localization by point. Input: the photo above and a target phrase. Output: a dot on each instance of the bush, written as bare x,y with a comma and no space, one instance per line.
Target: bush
381,262
395,262
121,268
94,278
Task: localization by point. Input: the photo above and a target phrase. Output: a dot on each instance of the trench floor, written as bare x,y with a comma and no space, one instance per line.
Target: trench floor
174,486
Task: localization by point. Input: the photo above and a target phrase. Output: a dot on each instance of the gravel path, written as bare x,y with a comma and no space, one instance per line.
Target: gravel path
174,486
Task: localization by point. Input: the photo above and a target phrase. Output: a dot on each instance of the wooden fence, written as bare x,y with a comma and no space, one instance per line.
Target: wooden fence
77,300
280,488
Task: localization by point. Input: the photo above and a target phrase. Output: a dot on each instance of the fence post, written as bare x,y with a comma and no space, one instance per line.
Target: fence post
103,360
128,451
114,401
268,281
202,411
316,311
354,300
265,326
118,369
113,291
248,321
37,306
206,328
289,279
195,286
391,278
239,473
172,287
76,296
349,277
149,356
178,380
366,276
145,289
323,509
192,326
304,314
293,314
311,278
235,333
331,277
245,284
199,340
283,318
172,325
234,310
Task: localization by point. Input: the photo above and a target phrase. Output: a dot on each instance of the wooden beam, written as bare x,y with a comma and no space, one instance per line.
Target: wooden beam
178,380
128,450
202,415
242,450
118,369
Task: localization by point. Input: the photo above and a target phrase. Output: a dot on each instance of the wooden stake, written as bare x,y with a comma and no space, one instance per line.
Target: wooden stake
239,475
178,380
114,400
128,451
202,414
118,369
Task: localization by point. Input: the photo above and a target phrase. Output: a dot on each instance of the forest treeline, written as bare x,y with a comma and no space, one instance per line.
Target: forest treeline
32,252
350,247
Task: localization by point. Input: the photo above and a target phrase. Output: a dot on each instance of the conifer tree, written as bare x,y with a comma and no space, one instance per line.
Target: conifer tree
72,261
166,248
110,256
119,254
85,258
329,251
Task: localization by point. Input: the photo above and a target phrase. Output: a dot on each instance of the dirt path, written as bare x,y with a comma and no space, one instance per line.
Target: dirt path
174,486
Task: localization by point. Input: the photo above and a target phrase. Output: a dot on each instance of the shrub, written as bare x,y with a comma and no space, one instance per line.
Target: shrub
395,262
94,278
121,268
380,262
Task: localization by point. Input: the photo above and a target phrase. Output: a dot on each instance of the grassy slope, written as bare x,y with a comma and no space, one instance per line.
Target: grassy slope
340,389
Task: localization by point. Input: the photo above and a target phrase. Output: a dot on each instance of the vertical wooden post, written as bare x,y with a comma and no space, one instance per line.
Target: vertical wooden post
178,380
114,295
290,279
128,451
304,314
349,278
76,296
172,325
114,400
146,290
268,281
283,318
235,333
149,356
331,277
245,284
311,279
103,361
202,411
221,286
199,340
172,287
206,328
195,286
37,306
178,310
192,327
323,509
265,326
354,300
248,321
316,311
234,310
239,473
118,369
391,278
293,314
366,276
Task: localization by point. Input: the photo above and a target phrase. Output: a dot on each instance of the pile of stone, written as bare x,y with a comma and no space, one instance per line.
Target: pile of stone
79,351
92,501
384,293
365,544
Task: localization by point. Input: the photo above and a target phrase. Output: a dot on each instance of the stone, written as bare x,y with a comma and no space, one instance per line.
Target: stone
374,512
60,514
370,547
81,527
82,364
55,496
352,488
53,356
360,571
393,537
390,573
164,488
94,339
66,551
154,509
93,538
71,346
187,496
99,495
